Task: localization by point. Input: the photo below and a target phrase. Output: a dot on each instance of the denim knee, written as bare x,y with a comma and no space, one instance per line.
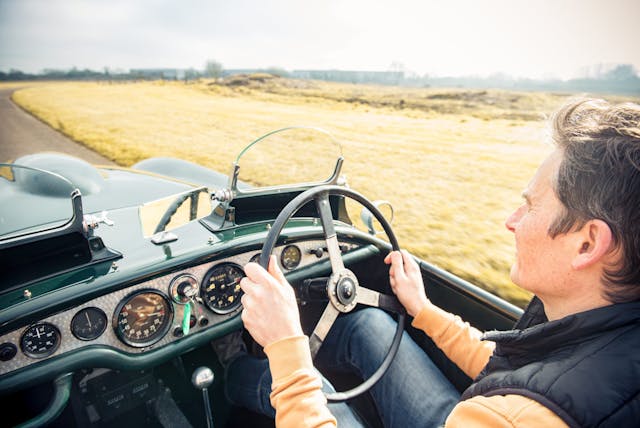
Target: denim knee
374,324
369,339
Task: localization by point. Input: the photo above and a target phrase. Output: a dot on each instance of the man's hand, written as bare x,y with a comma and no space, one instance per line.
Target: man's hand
406,281
270,310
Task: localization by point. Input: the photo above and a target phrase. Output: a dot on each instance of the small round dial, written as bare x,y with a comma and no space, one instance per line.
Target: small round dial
183,288
220,288
255,258
89,323
40,340
143,318
290,257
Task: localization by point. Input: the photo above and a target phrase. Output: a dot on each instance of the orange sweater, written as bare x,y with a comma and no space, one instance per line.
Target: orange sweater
297,397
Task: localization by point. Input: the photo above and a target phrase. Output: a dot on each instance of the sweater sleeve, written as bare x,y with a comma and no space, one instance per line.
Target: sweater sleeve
460,342
296,391
502,411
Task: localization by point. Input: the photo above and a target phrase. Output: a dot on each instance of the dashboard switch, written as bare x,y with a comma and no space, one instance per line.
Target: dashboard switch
8,351
318,252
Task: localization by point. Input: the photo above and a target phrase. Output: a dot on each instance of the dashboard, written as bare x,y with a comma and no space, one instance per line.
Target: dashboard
152,313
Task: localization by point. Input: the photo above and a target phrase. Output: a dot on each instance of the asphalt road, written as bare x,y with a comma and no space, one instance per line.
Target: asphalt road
22,134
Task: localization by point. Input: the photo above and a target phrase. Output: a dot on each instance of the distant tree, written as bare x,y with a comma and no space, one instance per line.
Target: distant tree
213,69
15,74
50,73
277,71
191,74
622,72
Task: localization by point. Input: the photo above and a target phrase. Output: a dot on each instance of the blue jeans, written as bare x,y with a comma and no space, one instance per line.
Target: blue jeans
413,392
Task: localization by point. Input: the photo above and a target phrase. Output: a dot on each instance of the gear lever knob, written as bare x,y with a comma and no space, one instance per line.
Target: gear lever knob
202,378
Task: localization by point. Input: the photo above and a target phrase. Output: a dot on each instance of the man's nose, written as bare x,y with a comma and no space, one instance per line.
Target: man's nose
513,220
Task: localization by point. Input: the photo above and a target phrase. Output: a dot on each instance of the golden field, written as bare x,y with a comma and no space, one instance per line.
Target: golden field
452,162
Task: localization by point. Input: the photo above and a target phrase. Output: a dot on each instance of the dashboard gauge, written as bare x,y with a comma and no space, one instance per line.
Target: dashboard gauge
220,288
255,258
143,318
290,257
89,323
183,288
40,340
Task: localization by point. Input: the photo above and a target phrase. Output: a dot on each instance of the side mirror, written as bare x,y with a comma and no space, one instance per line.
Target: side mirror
373,226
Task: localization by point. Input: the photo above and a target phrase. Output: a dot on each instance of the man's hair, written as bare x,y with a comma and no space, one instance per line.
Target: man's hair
599,178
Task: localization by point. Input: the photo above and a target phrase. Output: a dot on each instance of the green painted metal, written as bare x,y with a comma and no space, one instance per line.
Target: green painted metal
61,394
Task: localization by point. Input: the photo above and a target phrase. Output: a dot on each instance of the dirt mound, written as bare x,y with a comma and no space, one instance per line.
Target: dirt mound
247,79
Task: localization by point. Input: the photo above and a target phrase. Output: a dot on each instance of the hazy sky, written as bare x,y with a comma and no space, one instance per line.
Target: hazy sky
530,38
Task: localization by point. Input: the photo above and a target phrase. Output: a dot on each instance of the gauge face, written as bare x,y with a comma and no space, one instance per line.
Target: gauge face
182,287
89,323
255,258
40,340
143,318
290,257
220,288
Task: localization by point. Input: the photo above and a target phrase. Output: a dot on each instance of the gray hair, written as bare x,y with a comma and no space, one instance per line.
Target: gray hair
599,178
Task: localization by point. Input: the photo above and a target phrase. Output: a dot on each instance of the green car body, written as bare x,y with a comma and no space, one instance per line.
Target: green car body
124,261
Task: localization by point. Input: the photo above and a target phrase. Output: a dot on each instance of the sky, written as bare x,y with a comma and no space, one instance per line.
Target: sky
521,38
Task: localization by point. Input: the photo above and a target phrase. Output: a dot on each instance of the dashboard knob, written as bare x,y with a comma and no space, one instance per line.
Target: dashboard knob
7,351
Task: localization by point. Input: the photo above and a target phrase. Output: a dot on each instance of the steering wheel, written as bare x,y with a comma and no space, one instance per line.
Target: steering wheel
342,288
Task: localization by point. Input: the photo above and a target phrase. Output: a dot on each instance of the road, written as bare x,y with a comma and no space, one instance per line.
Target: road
22,134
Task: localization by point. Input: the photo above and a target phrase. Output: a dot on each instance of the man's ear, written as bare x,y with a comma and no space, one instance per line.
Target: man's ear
595,242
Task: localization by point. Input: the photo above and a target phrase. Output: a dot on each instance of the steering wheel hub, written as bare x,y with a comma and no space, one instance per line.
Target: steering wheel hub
343,290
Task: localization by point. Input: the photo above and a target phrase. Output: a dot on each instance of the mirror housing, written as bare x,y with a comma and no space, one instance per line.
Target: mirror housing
369,220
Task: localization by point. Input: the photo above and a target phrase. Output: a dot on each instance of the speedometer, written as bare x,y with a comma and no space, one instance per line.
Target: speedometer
220,288
143,318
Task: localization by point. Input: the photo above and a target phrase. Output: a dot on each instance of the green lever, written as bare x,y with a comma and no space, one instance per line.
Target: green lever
186,319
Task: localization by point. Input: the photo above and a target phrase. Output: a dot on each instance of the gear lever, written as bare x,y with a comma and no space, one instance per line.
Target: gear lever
202,378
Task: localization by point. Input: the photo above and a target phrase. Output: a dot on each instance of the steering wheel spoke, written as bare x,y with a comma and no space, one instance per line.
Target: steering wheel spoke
322,329
369,297
335,257
326,218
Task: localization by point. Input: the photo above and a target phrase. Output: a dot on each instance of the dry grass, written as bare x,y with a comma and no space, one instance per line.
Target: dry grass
453,163
20,84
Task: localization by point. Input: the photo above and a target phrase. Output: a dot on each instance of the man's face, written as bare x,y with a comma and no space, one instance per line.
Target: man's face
542,263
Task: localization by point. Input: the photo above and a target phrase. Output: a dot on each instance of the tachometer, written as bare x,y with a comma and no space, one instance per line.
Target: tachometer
143,318
40,340
220,288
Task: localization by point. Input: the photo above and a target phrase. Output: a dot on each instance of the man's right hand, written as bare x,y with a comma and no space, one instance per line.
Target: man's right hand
270,309
406,281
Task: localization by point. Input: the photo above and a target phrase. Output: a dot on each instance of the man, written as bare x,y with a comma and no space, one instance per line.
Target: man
573,359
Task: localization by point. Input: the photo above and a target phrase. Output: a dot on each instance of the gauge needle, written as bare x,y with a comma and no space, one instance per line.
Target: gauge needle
38,333
86,314
143,315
